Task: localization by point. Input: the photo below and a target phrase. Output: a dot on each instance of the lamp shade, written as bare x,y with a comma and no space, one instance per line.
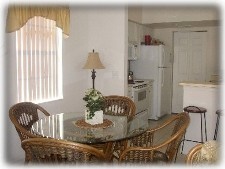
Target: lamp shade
93,61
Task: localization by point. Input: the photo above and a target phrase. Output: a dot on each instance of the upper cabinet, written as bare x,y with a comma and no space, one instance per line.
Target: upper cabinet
133,40
133,32
136,33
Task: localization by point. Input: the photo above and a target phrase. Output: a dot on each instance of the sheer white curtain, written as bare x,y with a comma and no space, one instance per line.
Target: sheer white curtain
39,61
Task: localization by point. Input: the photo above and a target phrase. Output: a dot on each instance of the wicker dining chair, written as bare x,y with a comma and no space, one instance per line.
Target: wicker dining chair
119,106
150,147
53,151
23,115
193,154
204,153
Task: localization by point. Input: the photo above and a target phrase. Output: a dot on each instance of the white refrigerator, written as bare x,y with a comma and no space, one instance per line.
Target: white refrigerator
154,63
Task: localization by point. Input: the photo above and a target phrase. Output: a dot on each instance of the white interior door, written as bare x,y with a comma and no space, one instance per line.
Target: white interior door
197,56
189,63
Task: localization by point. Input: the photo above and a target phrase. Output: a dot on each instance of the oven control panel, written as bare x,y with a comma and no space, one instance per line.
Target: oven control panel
140,86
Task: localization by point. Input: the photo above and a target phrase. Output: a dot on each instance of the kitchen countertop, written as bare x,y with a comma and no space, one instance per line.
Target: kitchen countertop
208,96
203,84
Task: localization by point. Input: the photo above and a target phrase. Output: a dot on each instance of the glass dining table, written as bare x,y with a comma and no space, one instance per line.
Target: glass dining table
66,126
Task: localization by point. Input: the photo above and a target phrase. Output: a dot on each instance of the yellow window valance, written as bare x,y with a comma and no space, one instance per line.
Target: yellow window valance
18,15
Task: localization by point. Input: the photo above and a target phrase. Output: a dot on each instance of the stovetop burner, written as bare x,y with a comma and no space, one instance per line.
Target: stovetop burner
135,81
138,81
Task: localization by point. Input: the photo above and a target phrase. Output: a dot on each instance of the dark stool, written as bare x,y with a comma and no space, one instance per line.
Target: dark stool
201,111
219,113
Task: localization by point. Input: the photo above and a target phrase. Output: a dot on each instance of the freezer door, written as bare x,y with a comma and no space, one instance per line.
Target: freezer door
161,56
146,66
164,57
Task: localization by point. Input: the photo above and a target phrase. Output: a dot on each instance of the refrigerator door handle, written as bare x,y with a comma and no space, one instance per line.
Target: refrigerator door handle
163,57
162,83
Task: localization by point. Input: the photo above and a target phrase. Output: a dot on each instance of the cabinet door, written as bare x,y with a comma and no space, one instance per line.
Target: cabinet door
189,63
132,32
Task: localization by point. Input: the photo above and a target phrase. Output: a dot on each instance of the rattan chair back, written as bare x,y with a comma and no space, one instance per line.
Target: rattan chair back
150,147
119,106
206,153
193,154
23,115
52,151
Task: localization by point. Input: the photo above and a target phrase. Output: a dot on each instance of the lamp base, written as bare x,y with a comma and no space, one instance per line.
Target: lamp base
93,78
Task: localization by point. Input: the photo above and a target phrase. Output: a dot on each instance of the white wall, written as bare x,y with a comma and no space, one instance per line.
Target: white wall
103,29
3,100
107,32
213,45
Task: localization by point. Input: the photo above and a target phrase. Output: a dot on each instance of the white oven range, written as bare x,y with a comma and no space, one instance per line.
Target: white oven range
140,93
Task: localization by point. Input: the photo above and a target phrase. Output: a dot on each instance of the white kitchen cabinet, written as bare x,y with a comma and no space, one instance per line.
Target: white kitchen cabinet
133,40
133,32
136,33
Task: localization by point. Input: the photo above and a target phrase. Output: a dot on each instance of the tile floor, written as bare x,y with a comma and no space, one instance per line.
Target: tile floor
153,123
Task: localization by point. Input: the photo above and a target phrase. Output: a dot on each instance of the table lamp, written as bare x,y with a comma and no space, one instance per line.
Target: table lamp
93,62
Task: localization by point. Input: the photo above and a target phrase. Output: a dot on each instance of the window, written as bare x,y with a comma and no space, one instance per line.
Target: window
39,61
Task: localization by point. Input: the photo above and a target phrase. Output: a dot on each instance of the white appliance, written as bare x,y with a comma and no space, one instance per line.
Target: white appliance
154,64
133,51
139,92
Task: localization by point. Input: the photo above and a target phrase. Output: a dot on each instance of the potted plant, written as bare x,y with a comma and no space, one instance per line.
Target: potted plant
95,105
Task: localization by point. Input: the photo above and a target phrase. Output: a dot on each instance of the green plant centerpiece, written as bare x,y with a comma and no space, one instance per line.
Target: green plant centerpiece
94,103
